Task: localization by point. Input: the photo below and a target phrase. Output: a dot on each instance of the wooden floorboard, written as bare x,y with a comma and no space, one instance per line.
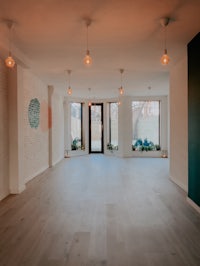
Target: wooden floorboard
100,210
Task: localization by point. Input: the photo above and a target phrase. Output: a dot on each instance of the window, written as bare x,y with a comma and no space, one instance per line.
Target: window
113,126
146,125
76,126
96,127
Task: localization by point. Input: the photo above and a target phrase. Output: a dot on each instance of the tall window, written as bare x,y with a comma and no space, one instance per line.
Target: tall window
76,126
113,126
146,125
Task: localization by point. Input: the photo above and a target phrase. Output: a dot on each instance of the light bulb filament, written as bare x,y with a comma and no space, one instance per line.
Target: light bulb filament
165,58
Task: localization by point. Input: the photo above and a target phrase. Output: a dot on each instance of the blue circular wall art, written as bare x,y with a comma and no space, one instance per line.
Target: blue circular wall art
34,113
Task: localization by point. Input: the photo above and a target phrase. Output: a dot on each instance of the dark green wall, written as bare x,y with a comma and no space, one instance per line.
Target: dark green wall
194,119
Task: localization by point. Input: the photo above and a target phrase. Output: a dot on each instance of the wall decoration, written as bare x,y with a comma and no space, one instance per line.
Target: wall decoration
34,113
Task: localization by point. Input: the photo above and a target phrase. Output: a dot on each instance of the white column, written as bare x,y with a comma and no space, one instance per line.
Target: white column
50,93
65,126
16,130
125,126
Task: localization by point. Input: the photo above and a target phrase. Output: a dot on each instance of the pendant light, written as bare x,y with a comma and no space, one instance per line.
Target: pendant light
69,90
9,61
121,89
87,59
90,101
165,58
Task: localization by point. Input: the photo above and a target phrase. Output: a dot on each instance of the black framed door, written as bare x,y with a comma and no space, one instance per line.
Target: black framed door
96,128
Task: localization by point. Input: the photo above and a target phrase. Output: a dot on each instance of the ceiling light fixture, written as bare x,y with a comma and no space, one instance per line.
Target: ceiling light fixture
69,90
90,102
165,58
87,59
121,89
9,61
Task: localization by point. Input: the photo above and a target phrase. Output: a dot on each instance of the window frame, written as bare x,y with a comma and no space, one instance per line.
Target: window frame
159,117
109,124
81,126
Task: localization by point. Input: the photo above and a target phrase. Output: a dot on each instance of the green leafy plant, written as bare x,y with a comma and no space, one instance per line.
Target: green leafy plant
76,144
112,147
145,145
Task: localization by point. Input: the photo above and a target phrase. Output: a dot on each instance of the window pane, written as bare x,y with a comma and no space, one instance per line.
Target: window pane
96,128
145,119
76,125
113,125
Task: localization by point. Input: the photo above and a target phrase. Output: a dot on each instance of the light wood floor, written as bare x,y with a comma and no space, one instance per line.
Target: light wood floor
98,210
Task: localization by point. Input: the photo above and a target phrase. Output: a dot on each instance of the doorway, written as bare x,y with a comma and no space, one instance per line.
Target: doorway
96,128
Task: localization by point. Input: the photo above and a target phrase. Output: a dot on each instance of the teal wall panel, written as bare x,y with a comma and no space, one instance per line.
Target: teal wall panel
194,119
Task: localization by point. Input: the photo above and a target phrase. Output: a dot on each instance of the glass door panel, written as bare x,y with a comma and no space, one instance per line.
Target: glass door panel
96,128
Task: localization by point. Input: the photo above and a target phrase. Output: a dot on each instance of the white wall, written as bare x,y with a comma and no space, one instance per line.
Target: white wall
16,130
57,127
24,151
179,124
35,139
125,127
4,167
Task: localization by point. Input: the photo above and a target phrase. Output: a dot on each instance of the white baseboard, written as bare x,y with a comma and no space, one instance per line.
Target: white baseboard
4,195
193,204
151,154
27,179
180,184
57,160
17,190
77,153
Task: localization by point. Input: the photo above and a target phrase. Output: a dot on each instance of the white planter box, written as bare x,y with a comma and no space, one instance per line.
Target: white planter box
155,154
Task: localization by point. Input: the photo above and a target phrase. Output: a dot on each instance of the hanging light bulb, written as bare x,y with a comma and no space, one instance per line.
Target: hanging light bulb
87,59
90,102
165,58
121,89
9,61
69,90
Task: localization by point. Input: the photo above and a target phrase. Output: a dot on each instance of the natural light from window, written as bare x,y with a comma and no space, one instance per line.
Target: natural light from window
76,126
113,126
146,125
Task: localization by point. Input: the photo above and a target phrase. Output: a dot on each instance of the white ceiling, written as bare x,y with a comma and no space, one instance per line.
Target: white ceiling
49,36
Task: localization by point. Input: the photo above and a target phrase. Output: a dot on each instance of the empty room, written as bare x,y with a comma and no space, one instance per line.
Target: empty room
99,133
